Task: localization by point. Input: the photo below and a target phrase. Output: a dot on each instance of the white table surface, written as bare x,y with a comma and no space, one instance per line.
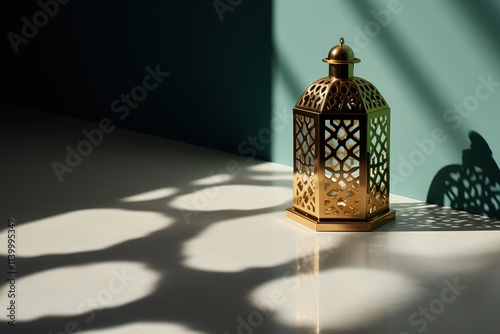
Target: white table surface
148,235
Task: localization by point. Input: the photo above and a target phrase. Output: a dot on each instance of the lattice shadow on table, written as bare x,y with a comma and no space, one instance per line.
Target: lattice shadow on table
422,216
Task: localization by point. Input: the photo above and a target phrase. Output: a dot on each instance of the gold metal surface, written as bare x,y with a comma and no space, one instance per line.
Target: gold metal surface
341,151
341,226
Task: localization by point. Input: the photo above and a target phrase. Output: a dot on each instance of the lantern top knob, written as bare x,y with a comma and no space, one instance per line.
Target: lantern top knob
341,54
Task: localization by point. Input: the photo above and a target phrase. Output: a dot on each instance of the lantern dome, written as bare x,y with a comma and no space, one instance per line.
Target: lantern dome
341,54
329,95
341,91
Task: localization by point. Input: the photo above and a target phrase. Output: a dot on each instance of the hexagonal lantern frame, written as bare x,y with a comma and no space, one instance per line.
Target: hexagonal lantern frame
341,151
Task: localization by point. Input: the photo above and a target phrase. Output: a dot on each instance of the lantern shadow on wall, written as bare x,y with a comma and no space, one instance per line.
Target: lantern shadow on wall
341,151
473,186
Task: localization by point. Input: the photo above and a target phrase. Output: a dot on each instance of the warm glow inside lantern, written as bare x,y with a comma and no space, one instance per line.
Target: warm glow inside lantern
341,151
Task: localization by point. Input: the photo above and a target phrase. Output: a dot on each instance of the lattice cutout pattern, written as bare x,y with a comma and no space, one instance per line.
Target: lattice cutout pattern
378,196
342,154
372,99
343,95
350,95
315,95
305,151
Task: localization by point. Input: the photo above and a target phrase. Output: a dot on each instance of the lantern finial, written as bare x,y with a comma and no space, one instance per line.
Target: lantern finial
341,59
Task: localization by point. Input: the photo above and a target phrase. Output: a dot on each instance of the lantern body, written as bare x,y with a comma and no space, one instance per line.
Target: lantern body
341,153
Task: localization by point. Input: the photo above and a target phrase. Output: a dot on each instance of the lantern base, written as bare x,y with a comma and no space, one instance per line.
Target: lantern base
330,225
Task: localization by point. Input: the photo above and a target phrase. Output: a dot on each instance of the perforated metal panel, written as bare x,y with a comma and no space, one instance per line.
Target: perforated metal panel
342,168
378,195
305,193
350,95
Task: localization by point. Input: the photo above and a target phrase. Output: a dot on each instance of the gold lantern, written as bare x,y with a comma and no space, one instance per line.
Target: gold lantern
341,151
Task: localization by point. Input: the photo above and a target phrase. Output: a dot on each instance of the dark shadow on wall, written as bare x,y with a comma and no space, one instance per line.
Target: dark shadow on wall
484,16
93,53
473,186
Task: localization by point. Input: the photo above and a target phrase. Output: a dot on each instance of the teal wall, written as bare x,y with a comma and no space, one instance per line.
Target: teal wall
425,58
